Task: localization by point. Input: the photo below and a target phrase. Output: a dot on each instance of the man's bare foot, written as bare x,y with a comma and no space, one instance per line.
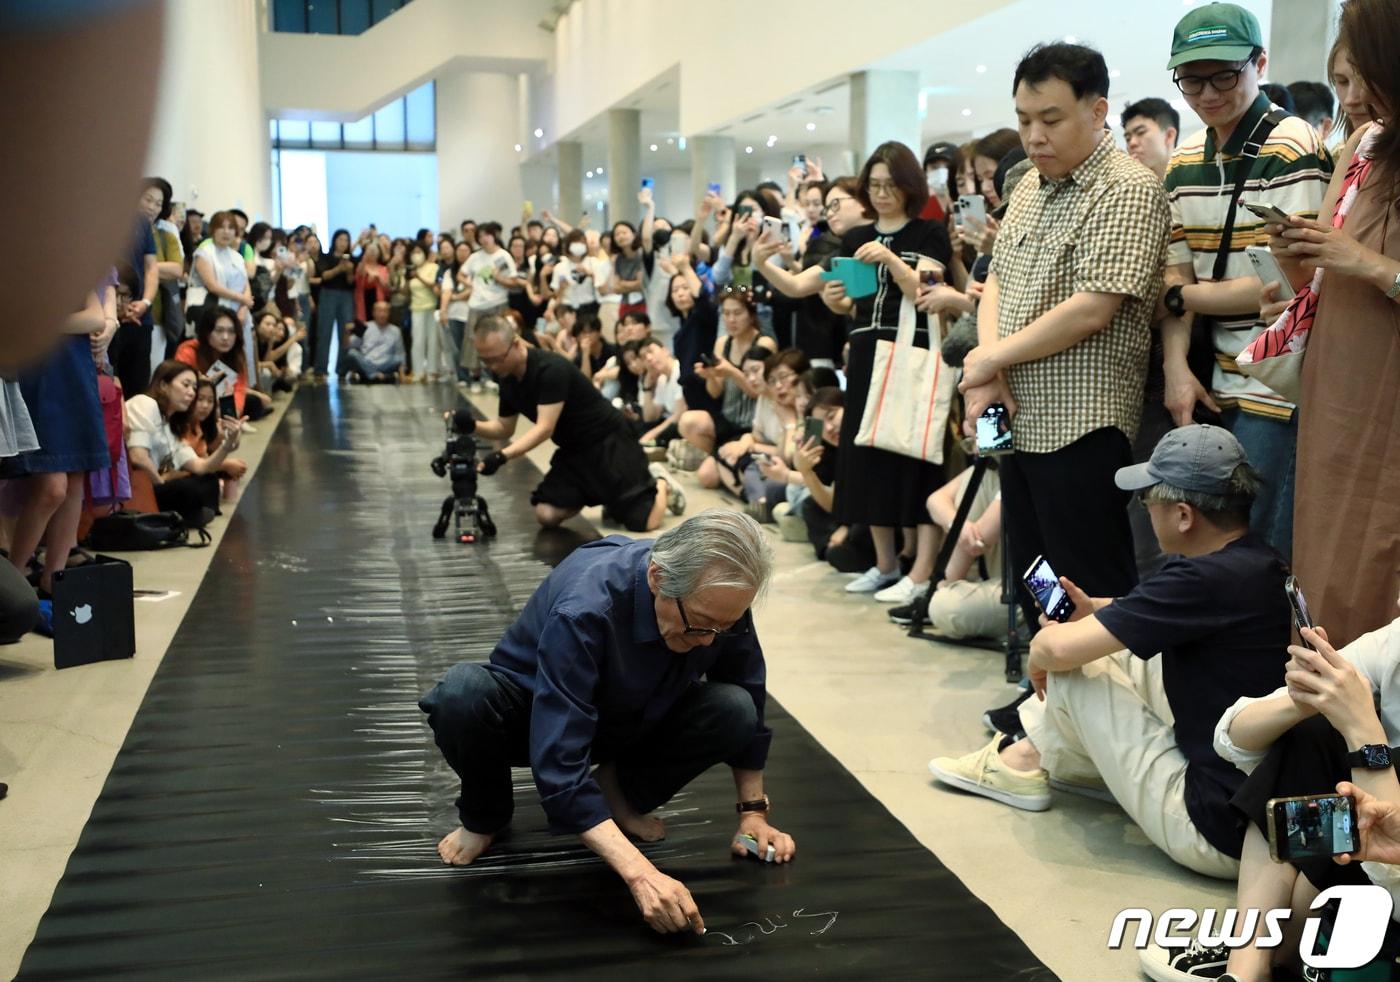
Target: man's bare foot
648,828
460,847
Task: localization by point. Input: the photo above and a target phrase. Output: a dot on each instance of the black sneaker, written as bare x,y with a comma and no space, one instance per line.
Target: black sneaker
1189,964
904,613
1007,719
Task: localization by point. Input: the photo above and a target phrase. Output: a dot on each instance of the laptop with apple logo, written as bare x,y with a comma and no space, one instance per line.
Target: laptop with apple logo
93,616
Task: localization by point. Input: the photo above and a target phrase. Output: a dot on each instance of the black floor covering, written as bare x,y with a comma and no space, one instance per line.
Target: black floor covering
274,810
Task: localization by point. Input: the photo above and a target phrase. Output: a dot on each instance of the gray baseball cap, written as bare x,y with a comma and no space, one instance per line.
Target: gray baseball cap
1198,458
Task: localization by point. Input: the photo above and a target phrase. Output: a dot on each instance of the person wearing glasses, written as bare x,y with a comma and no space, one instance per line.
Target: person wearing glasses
1218,59
639,657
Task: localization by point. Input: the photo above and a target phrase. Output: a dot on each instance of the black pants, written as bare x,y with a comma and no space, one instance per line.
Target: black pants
1156,423
190,496
481,722
19,604
1064,506
130,355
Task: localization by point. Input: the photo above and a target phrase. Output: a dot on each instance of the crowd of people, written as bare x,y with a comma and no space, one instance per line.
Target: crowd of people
1113,305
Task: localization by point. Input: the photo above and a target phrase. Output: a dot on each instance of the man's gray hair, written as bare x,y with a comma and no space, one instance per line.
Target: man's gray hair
716,548
502,327
1230,510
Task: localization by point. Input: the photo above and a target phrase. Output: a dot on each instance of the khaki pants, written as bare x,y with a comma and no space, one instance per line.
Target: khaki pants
1108,722
968,609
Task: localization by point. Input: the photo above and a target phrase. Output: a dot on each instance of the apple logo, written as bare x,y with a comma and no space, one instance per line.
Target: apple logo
82,614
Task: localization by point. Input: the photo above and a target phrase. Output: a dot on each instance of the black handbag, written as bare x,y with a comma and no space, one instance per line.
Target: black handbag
93,613
135,531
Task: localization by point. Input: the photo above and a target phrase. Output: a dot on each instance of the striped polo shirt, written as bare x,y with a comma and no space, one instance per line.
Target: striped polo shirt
1291,172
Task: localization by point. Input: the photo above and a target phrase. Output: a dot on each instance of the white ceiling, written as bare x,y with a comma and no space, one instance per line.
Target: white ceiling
965,74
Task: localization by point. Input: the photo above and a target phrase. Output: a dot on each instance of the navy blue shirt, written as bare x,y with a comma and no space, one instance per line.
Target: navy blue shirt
1221,623
588,647
143,244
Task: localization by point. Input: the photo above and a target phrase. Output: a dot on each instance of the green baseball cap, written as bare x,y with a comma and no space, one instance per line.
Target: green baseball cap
1215,32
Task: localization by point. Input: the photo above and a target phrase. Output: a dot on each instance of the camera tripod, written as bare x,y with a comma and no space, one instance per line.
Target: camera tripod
471,508
1011,644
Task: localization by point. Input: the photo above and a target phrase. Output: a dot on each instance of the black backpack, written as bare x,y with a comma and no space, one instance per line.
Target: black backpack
134,531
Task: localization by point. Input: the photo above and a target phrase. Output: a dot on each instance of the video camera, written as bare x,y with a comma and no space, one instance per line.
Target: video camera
458,462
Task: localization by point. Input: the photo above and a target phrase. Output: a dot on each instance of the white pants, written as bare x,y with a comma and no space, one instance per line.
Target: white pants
1108,722
427,343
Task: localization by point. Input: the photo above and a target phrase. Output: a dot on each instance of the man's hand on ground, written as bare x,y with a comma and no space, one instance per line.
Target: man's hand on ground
665,903
756,825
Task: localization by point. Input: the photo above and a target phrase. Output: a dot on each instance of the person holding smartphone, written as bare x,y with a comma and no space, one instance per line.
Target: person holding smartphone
1331,725
1129,689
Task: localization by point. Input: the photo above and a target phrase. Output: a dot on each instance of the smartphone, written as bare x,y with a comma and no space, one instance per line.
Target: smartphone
973,207
1301,617
1268,270
1266,211
813,428
713,187
708,360
994,431
529,208
648,183
227,407
800,161
745,211
1045,586
281,252
928,277
779,228
1312,826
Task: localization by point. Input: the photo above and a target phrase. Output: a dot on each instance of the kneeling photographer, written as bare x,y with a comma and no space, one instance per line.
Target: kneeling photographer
598,460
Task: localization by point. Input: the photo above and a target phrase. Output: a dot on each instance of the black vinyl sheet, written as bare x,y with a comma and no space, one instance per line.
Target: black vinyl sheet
274,810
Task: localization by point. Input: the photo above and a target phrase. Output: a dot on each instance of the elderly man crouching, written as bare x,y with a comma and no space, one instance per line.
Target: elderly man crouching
641,658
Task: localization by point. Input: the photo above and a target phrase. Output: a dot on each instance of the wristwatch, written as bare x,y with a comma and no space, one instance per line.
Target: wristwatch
1174,301
1372,757
758,805
1394,290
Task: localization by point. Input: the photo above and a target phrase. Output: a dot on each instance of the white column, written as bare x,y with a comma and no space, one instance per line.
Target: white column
712,161
1300,35
624,174
570,180
211,140
477,126
884,106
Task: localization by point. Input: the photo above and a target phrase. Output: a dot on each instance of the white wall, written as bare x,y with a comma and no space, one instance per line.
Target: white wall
200,99
478,169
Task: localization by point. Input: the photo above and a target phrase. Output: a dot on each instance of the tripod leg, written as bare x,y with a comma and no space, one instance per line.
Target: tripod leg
950,542
483,514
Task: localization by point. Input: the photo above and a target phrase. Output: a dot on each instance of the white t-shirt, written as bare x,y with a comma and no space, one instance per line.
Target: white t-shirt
229,270
669,393
574,281
483,268
146,428
767,423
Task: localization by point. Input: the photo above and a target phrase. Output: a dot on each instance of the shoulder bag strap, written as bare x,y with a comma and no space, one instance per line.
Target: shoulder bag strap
1249,155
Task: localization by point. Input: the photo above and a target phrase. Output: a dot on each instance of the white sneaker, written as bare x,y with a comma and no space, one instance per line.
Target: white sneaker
675,497
1189,964
872,579
906,591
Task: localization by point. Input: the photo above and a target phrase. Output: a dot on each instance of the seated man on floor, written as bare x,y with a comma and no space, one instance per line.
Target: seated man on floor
663,399
1129,689
598,460
604,668
377,355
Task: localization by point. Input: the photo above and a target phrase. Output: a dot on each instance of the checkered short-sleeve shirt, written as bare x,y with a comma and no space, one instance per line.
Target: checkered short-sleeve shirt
1102,229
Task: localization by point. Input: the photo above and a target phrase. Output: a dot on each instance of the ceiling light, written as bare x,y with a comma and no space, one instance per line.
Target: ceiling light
588,174
1071,39
539,134
967,112
811,127
748,150
981,69
653,148
518,148
598,169
680,143
670,141
1115,74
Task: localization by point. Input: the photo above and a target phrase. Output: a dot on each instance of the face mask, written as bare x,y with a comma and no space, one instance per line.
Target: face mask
938,178
578,250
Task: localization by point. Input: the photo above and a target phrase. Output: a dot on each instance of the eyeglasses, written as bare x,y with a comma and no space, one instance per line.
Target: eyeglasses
1220,81
834,204
779,378
885,187
737,630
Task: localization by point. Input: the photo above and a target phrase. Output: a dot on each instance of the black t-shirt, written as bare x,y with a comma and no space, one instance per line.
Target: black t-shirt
696,336
1221,623
587,418
331,278
916,238
609,351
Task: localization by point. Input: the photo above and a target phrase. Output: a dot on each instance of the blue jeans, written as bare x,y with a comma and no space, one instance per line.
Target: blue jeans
1272,448
334,316
481,722
457,330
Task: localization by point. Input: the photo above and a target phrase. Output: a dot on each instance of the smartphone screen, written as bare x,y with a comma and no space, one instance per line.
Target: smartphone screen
648,183
714,187
1312,827
1045,586
813,428
928,277
994,431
